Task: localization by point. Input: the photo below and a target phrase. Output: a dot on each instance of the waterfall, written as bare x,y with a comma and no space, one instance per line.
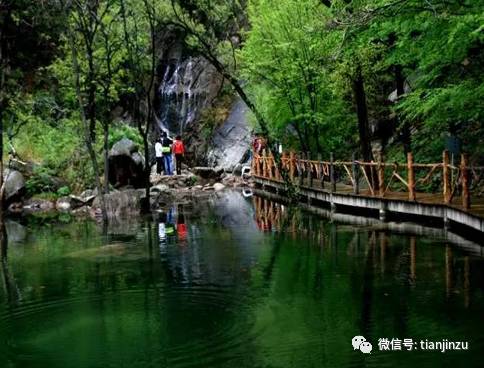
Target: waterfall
182,93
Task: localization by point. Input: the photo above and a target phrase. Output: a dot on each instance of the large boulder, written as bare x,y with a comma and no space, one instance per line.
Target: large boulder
231,141
120,204
14,185
126,164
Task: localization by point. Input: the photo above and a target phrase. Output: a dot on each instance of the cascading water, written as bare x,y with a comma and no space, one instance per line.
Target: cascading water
183,92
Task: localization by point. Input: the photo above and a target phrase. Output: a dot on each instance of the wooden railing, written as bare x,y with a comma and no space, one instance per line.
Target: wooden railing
443,179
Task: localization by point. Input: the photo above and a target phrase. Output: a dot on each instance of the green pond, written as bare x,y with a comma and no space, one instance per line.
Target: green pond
235,281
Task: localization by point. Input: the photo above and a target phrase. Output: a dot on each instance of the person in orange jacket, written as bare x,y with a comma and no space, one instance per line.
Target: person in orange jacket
179,151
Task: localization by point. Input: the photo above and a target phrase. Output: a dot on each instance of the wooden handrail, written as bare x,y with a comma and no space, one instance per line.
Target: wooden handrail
377,175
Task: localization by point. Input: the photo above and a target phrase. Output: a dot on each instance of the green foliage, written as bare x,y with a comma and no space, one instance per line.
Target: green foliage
120,131
192,180
40,181
287,59
63,191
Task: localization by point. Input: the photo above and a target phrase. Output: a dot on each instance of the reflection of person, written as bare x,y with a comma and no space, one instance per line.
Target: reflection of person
170,225
179,151
166,149
166,226
162,230
181,227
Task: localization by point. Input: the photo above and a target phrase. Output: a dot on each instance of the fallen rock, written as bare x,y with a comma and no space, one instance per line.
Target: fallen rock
159,188
88,193
218,187
63,204
208,172
80,201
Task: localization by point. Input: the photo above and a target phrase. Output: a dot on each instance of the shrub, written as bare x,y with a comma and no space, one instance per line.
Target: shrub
63,191
40,181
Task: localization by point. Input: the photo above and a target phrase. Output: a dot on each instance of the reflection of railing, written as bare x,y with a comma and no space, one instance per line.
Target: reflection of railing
273,216
435,182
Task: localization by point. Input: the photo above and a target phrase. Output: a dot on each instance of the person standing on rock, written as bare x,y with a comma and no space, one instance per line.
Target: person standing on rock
166,149
179,151
159,156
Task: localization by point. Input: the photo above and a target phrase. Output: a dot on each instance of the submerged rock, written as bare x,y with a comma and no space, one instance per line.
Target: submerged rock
126,164
38,205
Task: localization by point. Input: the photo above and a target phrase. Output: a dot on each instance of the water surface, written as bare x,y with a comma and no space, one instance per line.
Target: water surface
233,282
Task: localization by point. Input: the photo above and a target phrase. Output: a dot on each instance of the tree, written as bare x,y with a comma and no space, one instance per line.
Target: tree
288,60
85,18
139,29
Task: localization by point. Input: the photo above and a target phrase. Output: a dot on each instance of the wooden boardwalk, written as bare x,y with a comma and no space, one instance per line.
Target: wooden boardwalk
451,192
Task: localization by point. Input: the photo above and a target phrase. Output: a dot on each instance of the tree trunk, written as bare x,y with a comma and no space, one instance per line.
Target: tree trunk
106,157
362,114
405,135
145,205
3,67
87,135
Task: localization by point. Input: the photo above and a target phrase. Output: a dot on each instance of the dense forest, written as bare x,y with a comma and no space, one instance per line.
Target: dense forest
379,77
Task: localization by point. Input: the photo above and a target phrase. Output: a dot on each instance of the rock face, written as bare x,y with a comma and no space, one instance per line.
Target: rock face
231,142
126,164
120,204
14,185
185,84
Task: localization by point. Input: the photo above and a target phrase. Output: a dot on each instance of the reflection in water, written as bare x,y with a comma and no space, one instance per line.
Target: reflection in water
234,281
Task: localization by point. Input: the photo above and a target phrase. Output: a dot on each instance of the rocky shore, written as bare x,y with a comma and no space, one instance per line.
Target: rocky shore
123,201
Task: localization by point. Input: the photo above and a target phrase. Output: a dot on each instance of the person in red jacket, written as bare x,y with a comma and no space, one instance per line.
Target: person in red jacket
179,151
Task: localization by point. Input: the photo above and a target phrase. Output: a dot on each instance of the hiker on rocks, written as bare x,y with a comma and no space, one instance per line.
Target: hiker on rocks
166,143
159,156
179,151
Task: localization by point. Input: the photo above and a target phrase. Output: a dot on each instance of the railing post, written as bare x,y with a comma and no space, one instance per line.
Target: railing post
291,165
264,164
310,170
464,169
355,172
254,164
445,176
381,178
301,171
283,168
411,177
331,172
321,169
271,164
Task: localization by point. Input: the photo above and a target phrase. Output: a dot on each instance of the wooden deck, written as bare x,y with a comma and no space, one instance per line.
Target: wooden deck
476,208
440,190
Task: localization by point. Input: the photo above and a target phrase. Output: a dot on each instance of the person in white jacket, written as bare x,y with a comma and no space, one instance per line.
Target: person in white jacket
159,156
